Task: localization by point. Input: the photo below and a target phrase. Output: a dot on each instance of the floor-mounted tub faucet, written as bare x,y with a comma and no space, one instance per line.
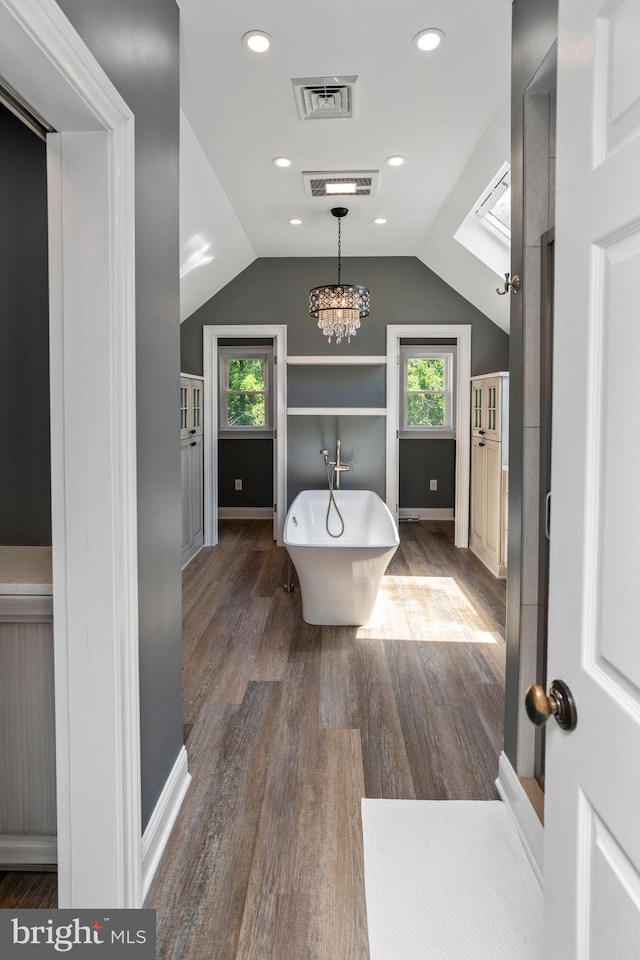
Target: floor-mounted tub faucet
337,464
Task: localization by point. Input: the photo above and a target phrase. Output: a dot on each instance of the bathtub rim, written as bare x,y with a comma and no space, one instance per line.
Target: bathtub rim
336,542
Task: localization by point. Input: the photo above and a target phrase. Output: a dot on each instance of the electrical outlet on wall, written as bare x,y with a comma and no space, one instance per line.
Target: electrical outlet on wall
238,484
433,484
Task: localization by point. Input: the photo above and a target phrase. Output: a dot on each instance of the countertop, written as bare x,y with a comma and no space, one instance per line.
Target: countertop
25,570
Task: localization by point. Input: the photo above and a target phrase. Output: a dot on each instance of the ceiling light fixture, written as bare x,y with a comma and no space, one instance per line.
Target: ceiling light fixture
257,41
428,40
380,220
338,308
395,161
282,161
340,187
295,222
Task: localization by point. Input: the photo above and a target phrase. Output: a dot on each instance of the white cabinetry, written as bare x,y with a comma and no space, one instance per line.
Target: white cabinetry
27,710
489,458
191,455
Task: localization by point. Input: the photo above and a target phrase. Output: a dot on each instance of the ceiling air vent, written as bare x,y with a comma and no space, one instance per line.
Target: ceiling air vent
335,183
324,98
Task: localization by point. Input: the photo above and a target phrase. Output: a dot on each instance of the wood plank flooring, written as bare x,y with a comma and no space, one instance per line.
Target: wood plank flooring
30,891
289,725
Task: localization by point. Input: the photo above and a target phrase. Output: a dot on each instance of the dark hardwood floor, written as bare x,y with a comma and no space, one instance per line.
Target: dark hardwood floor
289,725
27,890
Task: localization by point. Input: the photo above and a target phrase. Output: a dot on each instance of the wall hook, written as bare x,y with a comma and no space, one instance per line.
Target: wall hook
513,284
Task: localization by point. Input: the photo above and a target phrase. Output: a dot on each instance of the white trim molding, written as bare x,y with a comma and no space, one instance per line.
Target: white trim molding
530,830
245,513
27,850
195,550
461,332
337,360
90,186
426,513
211,335
158,830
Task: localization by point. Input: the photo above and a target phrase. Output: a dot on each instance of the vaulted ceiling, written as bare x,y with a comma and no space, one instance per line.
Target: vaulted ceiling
437,110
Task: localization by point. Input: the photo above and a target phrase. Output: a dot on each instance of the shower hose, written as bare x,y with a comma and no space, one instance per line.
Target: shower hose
332,500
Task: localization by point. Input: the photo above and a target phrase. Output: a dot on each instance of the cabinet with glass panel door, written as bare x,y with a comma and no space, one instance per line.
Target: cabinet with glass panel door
192,466
489,469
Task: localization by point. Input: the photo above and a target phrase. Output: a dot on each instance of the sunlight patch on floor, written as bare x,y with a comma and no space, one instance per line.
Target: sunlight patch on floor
425,610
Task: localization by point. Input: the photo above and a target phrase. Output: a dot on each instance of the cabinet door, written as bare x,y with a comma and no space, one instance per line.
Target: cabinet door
185,407
492,408
478,480
492,541
186,513
477,408
195,485
196,408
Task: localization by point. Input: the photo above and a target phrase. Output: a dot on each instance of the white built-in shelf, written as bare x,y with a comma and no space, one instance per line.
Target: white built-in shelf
338,360
337,411
25,570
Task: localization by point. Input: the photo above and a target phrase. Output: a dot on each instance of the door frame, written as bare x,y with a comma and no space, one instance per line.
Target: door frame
461,332
211,335
90,186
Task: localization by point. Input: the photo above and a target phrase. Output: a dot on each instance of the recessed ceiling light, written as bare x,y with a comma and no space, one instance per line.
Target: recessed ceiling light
295,222
428,40
380,220
282,161
395,161
346,187
257,41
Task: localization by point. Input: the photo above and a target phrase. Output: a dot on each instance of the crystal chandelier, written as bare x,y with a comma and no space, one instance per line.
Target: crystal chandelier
339,307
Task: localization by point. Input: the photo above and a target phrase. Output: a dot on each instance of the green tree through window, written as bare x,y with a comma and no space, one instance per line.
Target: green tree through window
426,391
246,392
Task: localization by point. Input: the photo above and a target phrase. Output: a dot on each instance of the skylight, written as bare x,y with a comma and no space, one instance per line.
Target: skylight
494,210
486,230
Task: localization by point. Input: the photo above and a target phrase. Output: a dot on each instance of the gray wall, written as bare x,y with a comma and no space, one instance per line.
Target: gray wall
250,461
137,44
534,33
25,454
403,290
421,461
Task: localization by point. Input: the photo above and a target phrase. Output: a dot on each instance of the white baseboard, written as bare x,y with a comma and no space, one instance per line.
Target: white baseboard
528,825
27,850
154,838
193,551
245,513
426,513
499,570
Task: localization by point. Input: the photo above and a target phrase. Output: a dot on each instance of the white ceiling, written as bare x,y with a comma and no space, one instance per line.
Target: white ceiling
431,108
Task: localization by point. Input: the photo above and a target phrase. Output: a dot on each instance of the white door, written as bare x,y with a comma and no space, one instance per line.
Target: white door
592,827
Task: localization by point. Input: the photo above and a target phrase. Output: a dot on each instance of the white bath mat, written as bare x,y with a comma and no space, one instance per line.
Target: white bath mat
448,880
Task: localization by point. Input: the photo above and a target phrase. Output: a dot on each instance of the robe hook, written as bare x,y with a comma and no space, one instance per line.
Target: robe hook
513,285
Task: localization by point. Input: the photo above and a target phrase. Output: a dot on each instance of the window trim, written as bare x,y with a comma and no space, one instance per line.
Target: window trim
449,354
227,353
483,212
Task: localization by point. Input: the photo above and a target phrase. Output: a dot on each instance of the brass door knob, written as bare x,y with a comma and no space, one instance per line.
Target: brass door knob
559,704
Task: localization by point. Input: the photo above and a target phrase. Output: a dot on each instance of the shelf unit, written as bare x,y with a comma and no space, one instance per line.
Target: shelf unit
337,361
312,361
337,411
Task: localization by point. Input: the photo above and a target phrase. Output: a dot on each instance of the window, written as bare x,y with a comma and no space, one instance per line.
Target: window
245,389
494,211
486,230
427,390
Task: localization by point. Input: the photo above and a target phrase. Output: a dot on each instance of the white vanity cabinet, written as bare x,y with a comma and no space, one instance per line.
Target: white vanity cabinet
489,460
27,709
192,464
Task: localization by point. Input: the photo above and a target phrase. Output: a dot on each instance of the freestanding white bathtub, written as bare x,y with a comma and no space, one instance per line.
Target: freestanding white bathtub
340,577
